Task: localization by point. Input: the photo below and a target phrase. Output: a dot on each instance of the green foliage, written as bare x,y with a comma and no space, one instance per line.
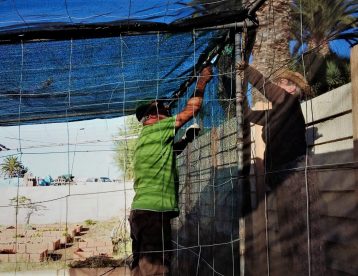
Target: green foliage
120,238
334,75
125,144
90,222
20,200
323,21
12,167
325,73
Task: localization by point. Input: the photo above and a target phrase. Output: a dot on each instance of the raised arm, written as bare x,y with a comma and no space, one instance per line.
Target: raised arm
271,91
194,103
256,116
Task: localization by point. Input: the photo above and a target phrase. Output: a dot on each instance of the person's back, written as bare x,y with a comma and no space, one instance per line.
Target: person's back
156,194
154,164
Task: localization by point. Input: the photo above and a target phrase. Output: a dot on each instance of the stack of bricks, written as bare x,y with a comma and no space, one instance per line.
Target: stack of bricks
24,252
91,247
32,245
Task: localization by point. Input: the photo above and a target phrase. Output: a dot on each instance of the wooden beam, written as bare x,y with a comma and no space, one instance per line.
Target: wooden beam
259,214
240,146
354,77
243,163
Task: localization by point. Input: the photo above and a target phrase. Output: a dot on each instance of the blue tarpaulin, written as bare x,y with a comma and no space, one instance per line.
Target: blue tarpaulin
44,78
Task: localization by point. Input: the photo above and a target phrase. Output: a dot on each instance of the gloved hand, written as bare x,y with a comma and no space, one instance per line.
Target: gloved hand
240,66
191,132
205,76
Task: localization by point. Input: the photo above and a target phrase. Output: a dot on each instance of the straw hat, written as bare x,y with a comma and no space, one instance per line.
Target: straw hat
295,77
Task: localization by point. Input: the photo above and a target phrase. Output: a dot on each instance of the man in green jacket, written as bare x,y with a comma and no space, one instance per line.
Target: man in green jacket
155,181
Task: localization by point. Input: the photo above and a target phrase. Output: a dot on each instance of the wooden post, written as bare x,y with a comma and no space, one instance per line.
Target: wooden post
243,163
354,79
259,214
240,146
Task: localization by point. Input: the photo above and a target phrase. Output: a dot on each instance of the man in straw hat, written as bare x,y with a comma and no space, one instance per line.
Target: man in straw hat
284,135
155,180
283,124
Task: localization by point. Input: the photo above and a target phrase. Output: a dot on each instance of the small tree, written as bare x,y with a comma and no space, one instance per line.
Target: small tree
125,144
22,202
120,237
12,167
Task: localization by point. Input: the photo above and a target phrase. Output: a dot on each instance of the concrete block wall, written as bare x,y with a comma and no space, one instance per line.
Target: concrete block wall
208,178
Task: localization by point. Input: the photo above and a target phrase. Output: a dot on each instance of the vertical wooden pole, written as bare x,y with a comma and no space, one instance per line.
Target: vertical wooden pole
354,79
243,162
260,240
240,146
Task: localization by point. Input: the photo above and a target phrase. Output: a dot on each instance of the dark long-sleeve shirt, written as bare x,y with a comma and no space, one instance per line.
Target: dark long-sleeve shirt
283,125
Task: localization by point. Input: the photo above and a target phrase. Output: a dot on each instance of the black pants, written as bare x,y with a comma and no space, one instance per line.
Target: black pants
151,237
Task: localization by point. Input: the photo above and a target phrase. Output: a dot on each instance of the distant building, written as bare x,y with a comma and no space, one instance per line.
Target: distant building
29,180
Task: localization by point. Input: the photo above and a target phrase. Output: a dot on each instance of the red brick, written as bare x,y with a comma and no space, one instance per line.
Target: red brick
104,249
23,257
76,256
99,243
36,248
64,239
8,248
4,258
78,229
84,254
21,248
36,257
82,244
73,233
56,244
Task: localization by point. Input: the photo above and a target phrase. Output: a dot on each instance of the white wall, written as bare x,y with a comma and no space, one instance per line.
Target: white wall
97,201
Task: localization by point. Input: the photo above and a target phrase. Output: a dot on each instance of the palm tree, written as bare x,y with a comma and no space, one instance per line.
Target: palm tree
271,49
315,23
12,167
323,21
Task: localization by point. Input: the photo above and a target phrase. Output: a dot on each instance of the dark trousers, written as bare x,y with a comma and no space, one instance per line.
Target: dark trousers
151,242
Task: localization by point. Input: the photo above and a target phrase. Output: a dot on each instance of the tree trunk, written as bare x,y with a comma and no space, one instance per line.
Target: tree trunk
270,53
271,50
321,47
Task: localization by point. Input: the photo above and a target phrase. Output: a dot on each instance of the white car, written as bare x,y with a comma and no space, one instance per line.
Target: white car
99,179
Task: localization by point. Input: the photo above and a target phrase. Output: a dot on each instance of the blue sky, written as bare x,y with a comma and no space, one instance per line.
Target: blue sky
340,47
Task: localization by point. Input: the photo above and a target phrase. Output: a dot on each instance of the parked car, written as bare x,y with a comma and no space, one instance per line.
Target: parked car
64,180
99,179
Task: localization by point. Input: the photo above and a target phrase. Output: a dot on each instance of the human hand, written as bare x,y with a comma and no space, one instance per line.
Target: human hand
240,66
191,132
